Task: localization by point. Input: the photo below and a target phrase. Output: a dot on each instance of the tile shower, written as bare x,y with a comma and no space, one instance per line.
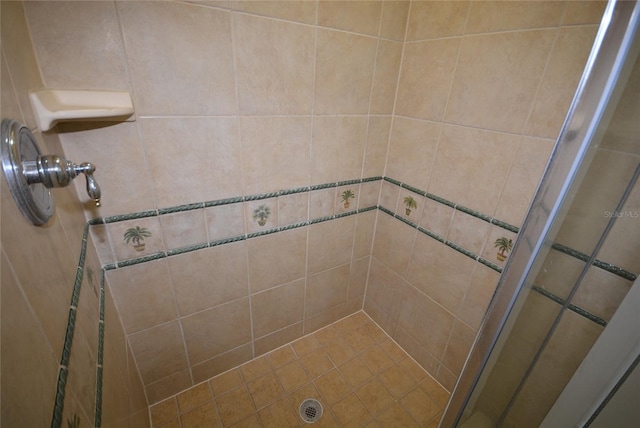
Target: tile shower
433,120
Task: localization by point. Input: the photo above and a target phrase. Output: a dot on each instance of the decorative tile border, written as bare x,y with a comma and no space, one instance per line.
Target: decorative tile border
56,421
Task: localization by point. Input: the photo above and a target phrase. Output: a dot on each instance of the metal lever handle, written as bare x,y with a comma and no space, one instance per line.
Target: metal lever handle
56,171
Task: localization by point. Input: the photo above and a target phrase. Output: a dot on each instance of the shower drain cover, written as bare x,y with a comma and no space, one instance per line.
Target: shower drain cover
310,410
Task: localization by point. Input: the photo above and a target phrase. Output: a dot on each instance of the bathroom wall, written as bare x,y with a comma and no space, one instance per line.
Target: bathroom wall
38,269
483,90
279,108
276,108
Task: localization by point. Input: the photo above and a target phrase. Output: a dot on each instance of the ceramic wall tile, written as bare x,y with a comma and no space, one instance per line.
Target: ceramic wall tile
277,258
369,194
389,194
584,12
498,245
225,221
344,72
322,203
347,198
158,61
183,229
437,217
404,162
497,77
365,227
275,153
337,148
326,290
458,348
295,10
217,330
274,65
469,232
293,208
359,17
476,300
492,16
261,214
385,77
143,295
330,244
393,243
394,19
375,155
427,72
358,278
277,308
209,145
599,300
136,238
431,20
410,205
210,277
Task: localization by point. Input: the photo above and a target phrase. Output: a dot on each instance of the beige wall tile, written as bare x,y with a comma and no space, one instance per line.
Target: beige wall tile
159,352
440,272
599,300
467,171
418,311
210,146
322,203
344,72
393,243
112,148
369,194
425,78
330,244
385,77
412,151
375,155
275,153
143,295
210,277
496,79
293,208
365,224
430,20
167,387
225,221
359,17
338,148
564,70
384,290
274,65
159,62
277,308
326,290
347,198
491,16
217,330
525,174
147,229
61,30
493,252
358,278
389,194
278,338
296,10
394,19
221,363
277,258
584,12
410,205
459,345
183,229
437,217
469,232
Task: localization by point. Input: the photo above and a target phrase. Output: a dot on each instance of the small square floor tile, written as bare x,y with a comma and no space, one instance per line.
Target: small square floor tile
350,411
292,376
225,382
316,363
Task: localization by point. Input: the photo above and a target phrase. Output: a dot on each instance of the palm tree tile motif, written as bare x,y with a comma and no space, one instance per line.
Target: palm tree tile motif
137,235
503,245
410,204
346,195
261,214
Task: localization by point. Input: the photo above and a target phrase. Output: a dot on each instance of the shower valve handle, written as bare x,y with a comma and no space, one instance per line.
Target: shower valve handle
56,171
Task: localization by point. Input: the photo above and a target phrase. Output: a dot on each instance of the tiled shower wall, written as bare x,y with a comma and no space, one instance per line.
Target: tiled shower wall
222,115
39,265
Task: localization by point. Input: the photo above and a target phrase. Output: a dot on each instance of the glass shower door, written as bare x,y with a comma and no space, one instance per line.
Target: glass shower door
577,253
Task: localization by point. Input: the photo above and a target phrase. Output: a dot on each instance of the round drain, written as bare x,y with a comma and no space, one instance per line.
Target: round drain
310,410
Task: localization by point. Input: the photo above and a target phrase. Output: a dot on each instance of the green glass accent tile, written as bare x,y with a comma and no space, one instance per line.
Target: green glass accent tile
615,270
461,250
392,181
139,260
100,342
348,182
58,406
261,196
132,216
102,303
223,202
181,208
367,180
293,191
294,226
323,186
386,211
68,338
440,200
227,240
262,232
490,264
364,210
406,221
506,226
414,190
98,411
346,214
321,219
578,310
431,234
187,249
570,252
473,213
110,266
95,221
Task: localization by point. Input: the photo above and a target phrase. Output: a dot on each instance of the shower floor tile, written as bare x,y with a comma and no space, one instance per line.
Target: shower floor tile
361,377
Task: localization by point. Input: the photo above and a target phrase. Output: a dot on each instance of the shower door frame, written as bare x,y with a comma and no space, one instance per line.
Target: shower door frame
603,79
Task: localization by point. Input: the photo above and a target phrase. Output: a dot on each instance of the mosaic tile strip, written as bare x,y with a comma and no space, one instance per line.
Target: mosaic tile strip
578,310
58,405
613,391
181,208
100,357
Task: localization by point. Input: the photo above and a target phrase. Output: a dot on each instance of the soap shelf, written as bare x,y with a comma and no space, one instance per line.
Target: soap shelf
58,105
